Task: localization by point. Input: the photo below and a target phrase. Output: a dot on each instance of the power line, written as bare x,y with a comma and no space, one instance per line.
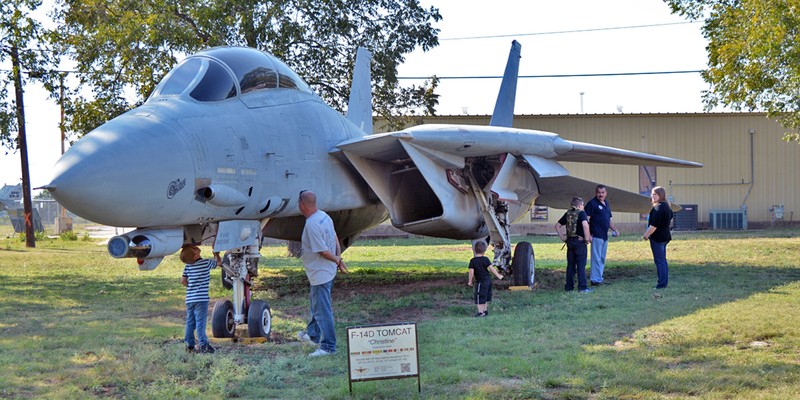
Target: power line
693,71
571,31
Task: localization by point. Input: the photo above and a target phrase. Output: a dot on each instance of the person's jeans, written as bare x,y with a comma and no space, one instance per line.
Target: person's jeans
576,262
321,329
196,315
599,247
660,259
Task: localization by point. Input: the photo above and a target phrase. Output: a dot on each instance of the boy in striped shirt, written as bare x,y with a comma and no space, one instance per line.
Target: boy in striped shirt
196,276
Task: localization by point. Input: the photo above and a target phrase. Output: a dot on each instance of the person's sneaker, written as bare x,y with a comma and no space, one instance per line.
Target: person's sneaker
190,349
587,290
206,349
596,283
303,336
480,314
320,352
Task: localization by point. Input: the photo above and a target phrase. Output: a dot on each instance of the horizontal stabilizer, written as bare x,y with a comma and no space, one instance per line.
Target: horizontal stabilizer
557,192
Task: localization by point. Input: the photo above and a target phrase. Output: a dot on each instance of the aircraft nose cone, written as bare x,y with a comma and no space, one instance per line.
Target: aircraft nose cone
129,172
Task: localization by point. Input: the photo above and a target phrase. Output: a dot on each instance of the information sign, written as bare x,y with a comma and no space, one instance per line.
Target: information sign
382,352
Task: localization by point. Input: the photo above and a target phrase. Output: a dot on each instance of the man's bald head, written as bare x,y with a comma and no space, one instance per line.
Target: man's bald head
307,203
308,197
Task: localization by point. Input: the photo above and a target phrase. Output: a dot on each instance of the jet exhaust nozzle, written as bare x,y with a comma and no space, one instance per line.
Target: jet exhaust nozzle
221,196
146,243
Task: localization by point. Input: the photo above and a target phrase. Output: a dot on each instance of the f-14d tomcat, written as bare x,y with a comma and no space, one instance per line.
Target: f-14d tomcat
230,137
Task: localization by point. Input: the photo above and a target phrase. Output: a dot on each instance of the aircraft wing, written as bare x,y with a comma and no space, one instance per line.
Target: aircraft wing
530,164
595,153
482,141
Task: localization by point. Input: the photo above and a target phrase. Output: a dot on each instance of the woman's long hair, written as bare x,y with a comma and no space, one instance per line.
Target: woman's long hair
662,195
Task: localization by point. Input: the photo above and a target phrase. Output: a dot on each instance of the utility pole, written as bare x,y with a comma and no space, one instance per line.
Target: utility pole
30,239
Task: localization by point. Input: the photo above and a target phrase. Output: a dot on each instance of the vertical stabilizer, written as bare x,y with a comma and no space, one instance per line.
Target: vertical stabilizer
503,114
359,107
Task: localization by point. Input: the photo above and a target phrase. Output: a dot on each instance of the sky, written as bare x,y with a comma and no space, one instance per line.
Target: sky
587,48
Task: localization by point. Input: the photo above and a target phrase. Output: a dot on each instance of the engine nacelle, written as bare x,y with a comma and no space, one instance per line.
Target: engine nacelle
146,243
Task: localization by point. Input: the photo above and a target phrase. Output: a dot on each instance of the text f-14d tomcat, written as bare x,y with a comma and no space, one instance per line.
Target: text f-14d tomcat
230,137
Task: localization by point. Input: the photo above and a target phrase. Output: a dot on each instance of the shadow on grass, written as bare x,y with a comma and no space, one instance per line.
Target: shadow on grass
584,344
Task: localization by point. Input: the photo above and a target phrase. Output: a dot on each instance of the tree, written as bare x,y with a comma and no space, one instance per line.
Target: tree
753,57
132,44
18,29
19,32
44,195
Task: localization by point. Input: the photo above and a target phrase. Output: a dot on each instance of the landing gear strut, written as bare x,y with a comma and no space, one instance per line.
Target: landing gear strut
495,214
227,314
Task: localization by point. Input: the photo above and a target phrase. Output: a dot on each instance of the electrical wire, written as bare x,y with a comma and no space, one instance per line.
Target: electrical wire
571,31
693,71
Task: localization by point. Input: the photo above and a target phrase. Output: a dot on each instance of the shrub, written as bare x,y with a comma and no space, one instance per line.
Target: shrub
69,235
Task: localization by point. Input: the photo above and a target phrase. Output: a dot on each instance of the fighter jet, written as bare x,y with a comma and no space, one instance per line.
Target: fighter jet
231,135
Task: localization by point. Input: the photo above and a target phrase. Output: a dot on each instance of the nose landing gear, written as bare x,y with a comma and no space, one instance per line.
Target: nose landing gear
228,314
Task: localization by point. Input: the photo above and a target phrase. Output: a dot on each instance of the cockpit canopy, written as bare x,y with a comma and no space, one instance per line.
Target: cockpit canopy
223,72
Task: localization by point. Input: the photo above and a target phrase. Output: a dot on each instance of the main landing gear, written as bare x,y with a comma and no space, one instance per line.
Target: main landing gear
495,213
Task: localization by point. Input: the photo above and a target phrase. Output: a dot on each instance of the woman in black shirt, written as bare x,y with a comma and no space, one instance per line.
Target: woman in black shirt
658,233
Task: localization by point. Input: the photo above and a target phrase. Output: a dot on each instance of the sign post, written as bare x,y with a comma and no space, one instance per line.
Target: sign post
383,352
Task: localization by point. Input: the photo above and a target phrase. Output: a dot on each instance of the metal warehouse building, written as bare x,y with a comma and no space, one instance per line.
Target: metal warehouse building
750,178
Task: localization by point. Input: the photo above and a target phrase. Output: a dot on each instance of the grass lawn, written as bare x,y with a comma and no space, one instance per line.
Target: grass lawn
75,323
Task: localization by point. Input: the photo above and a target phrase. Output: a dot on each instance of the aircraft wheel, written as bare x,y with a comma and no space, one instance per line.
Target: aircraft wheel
259,319
523,265
222,323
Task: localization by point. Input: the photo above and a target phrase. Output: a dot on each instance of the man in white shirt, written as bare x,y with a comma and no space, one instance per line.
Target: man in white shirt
321,259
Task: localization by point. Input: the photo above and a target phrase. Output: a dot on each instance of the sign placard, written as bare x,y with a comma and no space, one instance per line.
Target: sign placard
382,352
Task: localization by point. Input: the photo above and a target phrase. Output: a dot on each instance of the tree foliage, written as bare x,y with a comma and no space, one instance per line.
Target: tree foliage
753,55
123,48
18,29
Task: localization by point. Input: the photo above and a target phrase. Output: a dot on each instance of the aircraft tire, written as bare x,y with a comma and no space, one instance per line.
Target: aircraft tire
523,265
222,323
259,319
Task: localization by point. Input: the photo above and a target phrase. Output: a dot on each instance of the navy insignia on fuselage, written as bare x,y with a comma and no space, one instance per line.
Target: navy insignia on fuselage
175,187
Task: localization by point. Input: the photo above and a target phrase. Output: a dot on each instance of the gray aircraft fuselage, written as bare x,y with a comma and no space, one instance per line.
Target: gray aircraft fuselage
257,150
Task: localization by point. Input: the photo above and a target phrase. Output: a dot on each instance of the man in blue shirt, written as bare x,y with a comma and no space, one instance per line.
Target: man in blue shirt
599,213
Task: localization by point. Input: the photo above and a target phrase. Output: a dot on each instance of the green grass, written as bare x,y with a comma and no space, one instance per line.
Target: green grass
75,323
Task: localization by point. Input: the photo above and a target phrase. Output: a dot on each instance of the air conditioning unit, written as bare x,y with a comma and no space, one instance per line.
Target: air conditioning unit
686,219
728,219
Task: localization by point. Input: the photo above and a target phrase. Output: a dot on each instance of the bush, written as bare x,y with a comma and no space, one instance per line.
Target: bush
69,236
38,236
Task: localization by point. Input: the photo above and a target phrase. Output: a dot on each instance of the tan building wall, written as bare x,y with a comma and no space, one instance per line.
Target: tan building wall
721,141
